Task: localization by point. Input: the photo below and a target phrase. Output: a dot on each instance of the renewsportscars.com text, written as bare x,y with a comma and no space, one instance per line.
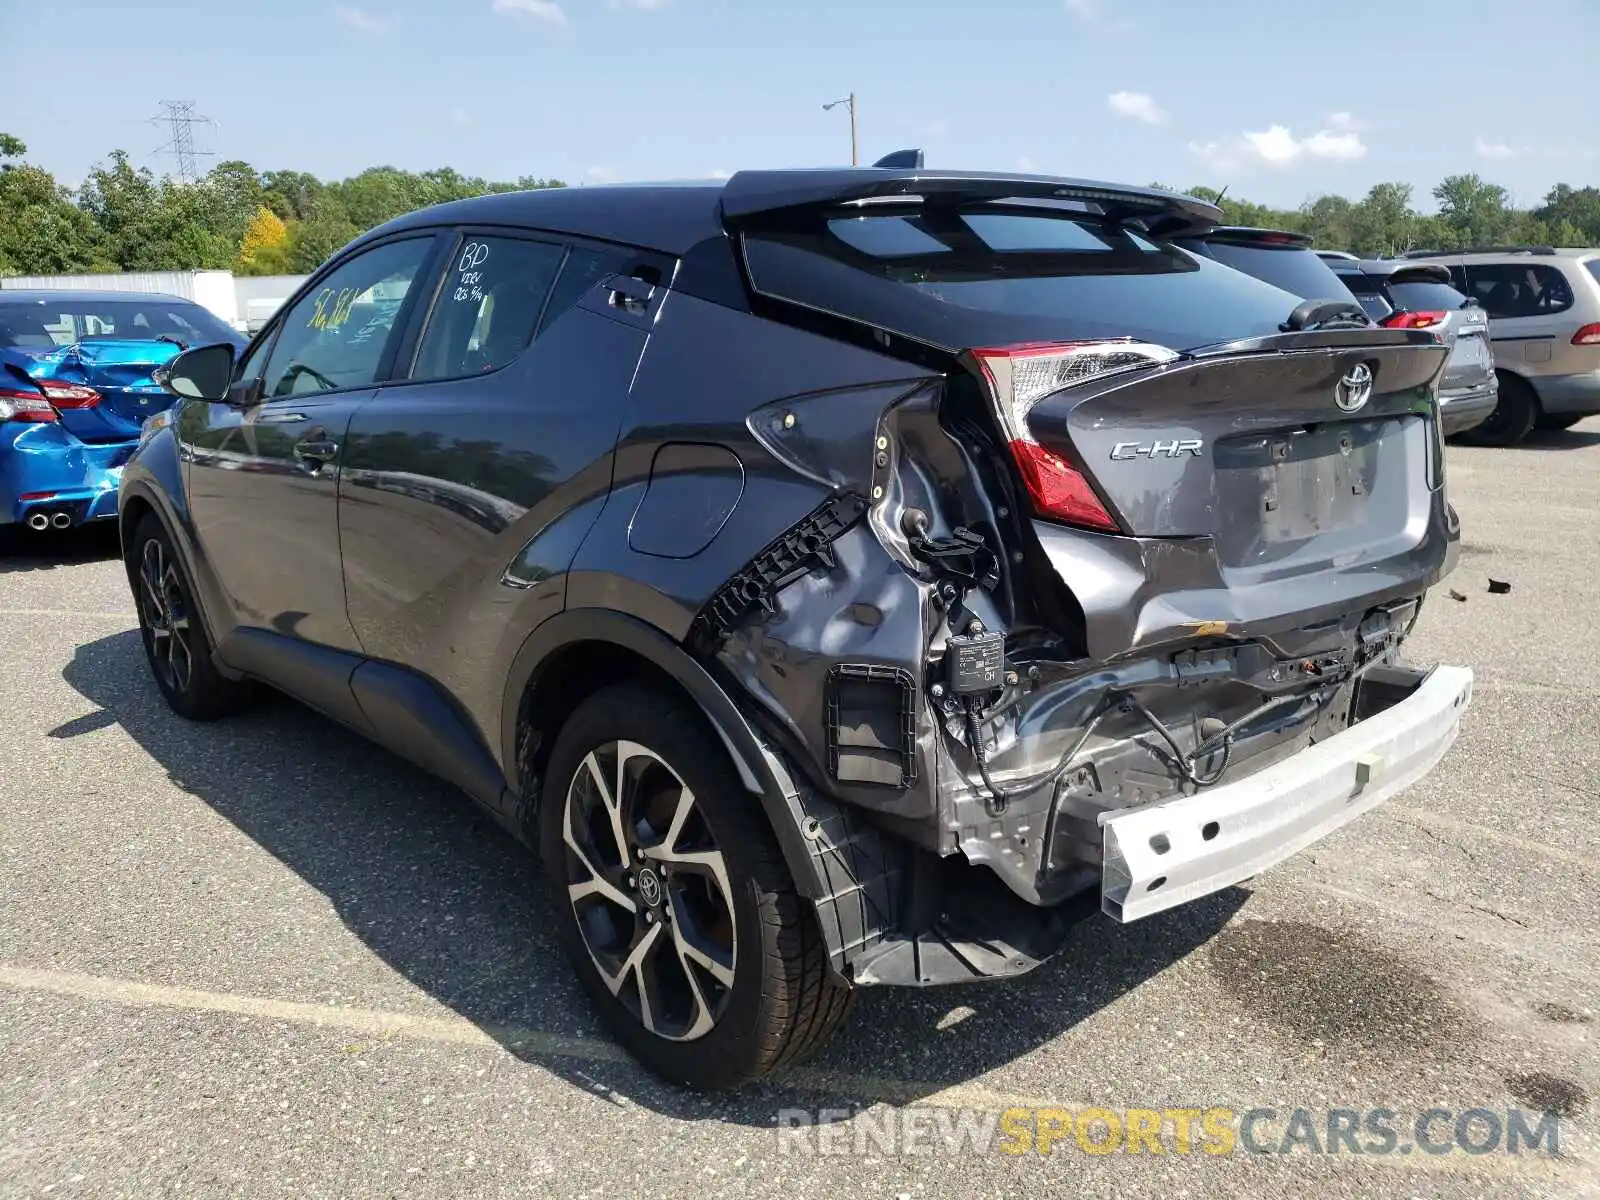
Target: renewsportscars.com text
1213,1131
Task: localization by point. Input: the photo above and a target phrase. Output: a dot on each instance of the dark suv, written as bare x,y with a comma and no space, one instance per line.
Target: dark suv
841,577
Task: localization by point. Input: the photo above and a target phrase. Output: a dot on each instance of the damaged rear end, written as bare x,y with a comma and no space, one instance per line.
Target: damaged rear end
1108,597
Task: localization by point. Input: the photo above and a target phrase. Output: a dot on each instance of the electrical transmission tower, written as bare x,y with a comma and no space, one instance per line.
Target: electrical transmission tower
179,116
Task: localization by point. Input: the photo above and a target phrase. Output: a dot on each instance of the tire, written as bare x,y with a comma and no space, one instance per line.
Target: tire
718,976
1560,420
1512,418
174,636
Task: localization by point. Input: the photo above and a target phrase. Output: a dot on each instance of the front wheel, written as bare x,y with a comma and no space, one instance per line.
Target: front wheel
174,636
673,901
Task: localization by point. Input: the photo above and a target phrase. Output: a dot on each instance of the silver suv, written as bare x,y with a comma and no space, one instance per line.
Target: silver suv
1544,322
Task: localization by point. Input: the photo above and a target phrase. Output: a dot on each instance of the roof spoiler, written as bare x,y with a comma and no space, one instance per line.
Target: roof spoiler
750,193
1249,235
901,160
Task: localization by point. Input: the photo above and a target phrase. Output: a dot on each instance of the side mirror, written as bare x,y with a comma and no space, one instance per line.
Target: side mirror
203,373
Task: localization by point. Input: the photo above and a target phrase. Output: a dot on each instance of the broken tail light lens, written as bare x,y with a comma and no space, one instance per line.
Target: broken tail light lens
1019,377
68,395
19,405
1413,320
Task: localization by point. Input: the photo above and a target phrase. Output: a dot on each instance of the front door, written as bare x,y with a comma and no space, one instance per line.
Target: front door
264,469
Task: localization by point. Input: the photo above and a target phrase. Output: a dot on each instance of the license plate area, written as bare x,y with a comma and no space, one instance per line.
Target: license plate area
1330,491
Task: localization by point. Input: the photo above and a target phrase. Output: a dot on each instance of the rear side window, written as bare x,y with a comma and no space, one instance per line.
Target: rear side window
1594,268
1519,289
487,307
1421,295
585,266
1296,270
961,277
45,326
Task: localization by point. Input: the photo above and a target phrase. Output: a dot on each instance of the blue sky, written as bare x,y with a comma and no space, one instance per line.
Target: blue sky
1280,101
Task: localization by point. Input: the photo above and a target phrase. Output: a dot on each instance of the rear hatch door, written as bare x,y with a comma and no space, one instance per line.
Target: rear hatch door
1143,389
1424,299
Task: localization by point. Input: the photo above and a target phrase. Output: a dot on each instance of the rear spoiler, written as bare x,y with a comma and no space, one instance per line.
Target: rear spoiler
1245,235
753,193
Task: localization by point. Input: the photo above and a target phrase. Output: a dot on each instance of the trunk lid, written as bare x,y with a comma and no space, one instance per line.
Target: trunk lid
118,369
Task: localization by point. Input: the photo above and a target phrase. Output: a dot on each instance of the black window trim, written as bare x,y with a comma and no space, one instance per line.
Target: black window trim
267,339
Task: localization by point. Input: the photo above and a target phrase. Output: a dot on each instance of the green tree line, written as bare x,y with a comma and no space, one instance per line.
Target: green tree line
125,218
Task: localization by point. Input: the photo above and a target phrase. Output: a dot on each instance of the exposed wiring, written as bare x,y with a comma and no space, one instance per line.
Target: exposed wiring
998,799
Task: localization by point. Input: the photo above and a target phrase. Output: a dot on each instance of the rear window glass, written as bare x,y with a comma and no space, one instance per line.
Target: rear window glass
1296,270
1594,268
1423,296
976,276
46,325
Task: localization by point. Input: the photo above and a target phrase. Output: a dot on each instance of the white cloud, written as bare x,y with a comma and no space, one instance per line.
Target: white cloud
1346,122
1084,10
1493,150
719,173
360,20
1027,164
539,10
936,128
1136,106
1276,146
602,174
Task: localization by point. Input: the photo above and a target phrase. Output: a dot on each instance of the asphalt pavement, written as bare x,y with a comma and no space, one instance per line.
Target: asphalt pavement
263,958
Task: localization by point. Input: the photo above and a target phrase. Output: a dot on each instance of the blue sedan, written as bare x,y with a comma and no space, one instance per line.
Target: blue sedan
75,389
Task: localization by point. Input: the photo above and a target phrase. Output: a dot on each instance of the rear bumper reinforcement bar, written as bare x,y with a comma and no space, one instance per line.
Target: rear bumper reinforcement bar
1166,854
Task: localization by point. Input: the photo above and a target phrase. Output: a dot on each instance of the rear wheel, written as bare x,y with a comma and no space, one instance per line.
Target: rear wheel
174,636
1511,419
672,898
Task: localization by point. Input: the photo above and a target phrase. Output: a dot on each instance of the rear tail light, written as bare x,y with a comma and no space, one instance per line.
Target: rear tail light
18,405
1413,320
1021,376
1589,335
69,395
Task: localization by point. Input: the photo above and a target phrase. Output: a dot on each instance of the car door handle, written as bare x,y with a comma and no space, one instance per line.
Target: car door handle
316,448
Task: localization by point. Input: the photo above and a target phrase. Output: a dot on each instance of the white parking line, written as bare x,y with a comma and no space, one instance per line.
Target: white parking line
461,1032
88,615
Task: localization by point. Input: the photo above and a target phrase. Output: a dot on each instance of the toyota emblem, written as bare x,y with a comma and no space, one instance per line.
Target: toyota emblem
1355,389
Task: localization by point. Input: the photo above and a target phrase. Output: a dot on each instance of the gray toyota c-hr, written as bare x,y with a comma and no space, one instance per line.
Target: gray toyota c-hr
840,577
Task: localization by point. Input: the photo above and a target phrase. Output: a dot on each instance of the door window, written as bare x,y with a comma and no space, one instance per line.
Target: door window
1519,289
488,306
335,336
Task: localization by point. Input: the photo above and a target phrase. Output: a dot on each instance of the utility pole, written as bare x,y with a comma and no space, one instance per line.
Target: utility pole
180,118
855,156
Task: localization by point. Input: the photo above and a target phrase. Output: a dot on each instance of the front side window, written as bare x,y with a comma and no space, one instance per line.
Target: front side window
335,336
488,306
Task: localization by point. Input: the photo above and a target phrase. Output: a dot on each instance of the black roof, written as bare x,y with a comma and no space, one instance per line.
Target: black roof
668,217
674,217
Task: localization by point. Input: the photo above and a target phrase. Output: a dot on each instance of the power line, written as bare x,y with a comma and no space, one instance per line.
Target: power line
179,117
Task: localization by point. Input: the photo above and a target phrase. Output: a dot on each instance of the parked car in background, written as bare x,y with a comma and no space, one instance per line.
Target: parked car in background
1276,256
843,577
76,385
1408,294
1337,256
1544,324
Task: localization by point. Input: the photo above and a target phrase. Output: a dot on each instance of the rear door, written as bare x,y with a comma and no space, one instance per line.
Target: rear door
1431,303
264,469
506,418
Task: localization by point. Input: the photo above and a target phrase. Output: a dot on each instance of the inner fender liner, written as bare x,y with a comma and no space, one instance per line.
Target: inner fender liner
849,871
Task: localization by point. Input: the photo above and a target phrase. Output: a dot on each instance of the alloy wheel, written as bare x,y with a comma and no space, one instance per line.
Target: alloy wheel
165,610
649,890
